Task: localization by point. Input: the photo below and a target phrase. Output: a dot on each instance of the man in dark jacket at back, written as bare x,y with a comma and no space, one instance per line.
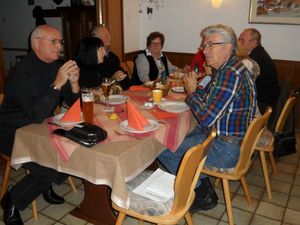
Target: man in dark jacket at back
267,82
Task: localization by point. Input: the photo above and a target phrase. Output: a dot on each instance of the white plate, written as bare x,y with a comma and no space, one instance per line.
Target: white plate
153,126
57,118
117,99
178,89
175,107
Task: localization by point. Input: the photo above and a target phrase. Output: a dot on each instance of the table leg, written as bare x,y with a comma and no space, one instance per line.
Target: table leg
96,205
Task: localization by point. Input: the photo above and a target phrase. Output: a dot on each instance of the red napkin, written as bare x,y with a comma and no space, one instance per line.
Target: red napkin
135,119
139,88
163,115
73,114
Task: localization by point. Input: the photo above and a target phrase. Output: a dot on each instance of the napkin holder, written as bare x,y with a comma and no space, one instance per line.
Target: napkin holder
84,133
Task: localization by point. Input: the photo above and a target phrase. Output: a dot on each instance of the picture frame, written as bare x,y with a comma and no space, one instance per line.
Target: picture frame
275,11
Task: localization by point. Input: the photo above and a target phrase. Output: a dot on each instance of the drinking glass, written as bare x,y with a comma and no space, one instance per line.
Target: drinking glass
87,99
106,86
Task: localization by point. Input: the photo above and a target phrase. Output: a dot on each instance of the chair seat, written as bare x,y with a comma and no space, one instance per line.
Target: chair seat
266,138
145,205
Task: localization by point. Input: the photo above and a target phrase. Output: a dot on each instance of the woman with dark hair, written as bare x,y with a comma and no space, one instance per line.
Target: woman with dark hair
90,54
152,62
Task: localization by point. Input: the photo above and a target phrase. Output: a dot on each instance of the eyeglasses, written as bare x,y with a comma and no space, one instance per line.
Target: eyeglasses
210,44
155,43
53,41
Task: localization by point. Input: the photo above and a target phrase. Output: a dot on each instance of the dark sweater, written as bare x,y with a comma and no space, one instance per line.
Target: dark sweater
267,82
92,76
29,98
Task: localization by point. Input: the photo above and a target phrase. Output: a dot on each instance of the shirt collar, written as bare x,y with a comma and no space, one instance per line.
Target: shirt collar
148,53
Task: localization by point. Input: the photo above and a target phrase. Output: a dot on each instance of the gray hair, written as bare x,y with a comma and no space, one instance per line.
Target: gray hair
226,32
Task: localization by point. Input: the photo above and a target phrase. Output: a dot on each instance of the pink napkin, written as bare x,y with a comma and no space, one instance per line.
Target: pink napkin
73,114
135,119
139,88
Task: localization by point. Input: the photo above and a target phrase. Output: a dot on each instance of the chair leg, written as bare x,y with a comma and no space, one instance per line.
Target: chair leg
5,179
141,222
228,201
71,182
246,190
272,160
120,218
188,218
34,210
266,173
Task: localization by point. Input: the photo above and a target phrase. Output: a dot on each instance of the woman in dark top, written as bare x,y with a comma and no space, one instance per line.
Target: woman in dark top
152,62
90,54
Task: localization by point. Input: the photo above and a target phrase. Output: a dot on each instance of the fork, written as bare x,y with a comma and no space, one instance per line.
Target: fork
126,134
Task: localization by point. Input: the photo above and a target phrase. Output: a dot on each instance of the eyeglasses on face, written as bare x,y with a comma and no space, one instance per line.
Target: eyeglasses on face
53,41
155,43
211,44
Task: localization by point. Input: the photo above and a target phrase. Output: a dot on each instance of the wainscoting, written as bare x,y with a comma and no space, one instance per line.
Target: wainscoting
286,69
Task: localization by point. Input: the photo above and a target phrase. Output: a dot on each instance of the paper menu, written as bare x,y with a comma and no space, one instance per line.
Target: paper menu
158,187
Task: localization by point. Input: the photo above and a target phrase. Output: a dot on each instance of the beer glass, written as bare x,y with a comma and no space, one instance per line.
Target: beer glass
87,99
105,86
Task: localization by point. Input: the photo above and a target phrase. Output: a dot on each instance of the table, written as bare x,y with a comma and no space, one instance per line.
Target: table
106,167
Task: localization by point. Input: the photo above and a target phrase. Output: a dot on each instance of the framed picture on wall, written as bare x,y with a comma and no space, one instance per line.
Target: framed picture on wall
274,11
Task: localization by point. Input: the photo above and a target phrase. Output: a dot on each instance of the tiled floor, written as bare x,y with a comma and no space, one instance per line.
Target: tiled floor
283,209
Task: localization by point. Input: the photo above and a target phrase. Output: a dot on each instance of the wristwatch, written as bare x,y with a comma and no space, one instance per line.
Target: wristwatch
52,86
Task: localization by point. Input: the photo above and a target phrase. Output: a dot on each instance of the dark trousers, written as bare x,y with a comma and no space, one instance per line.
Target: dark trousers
34,184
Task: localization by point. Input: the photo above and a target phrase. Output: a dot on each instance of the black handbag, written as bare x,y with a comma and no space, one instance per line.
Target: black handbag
84,133
284,143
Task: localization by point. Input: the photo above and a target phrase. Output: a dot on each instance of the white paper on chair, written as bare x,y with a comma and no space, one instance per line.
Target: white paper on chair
158,187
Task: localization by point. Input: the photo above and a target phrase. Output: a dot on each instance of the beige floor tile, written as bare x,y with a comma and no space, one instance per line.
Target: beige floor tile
255,191
295,191
256,180
71,220
240,217
216,212
132,221
297,180
277,198
240,201
223,223
292,217
290,159
260,220
294,203
57,211
58,223
202,219
285,167
75,198
280,186
270,210
43,220
283,176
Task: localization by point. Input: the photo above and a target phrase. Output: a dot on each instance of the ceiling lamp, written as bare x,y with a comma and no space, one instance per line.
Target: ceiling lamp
216,3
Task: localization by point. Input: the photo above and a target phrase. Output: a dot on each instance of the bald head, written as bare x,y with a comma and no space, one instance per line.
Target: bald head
46,42
102,33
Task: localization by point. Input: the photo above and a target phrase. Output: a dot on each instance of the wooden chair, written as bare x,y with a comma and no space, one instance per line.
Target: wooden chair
250,140
184,194
6,175
128,67
266,143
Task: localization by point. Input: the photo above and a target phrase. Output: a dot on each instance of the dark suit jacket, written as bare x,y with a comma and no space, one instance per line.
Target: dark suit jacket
267,82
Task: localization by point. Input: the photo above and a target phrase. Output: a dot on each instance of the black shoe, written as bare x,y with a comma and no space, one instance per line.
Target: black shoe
206,197
51,197
11,215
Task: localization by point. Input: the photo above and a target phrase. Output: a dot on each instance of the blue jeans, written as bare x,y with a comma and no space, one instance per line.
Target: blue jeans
221,154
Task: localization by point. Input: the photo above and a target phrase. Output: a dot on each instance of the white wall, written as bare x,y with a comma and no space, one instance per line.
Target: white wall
182,21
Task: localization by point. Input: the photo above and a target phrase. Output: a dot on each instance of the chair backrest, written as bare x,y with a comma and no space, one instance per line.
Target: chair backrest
188,174
250,140
284,113
1,98
128,67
